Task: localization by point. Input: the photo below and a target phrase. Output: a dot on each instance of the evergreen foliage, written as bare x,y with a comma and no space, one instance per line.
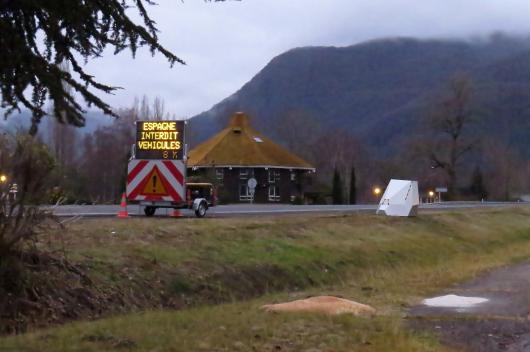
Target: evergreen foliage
353,186
37,36
477,188
337,188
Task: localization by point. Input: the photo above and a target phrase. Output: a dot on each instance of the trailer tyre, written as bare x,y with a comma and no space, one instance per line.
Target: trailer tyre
149,211
200,212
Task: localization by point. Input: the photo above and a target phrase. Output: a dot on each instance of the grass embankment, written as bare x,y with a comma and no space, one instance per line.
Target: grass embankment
388,263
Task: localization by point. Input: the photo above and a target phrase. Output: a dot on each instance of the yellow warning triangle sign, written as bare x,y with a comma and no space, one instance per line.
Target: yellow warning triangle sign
154,185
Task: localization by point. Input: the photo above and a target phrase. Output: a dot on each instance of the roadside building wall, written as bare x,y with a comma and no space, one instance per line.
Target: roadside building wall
273,185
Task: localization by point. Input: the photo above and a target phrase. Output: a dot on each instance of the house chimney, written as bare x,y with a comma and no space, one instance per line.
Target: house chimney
239,121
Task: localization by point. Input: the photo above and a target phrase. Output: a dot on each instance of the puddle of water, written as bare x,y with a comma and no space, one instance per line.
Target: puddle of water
453,301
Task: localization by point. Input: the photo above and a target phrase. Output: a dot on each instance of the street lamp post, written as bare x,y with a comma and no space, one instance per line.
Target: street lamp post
3,181
377,192
431,196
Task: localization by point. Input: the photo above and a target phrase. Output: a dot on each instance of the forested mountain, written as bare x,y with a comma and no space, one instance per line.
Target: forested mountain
379,91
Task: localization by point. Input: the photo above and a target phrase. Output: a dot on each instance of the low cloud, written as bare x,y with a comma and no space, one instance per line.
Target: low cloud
226,44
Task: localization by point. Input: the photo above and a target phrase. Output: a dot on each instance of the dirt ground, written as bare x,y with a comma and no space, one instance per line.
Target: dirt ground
500,324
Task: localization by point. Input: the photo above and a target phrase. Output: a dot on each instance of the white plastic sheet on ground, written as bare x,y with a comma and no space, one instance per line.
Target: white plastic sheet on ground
453,301
401,198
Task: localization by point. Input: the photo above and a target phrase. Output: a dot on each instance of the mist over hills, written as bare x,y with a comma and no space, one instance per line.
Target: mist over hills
21,121
380,90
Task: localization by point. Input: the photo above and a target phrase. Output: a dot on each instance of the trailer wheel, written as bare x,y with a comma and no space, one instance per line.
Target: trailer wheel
149,211
200,212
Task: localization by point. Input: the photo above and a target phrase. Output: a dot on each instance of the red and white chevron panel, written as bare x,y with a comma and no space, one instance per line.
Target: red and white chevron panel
170,174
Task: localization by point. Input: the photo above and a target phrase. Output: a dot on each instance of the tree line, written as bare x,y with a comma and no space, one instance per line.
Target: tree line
92,167
444,152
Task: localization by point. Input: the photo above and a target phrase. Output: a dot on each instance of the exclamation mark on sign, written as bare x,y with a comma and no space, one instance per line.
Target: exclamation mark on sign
154,183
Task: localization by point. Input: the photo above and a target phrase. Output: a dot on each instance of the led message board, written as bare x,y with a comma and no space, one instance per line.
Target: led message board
160,140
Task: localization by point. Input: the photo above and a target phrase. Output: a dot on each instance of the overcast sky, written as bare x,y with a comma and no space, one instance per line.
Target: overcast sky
226,44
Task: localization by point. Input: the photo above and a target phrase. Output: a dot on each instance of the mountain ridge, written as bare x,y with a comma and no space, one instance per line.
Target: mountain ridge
375,90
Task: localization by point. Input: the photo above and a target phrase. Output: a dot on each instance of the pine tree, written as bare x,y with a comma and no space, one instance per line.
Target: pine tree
477,187
353,186
337,190
37,36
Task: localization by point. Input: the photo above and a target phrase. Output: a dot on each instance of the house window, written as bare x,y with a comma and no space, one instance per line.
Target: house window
274,175
293,176
271,176
244,193
274,193
243,173
220,174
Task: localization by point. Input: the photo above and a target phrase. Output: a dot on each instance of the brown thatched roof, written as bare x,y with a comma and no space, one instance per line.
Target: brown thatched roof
239,145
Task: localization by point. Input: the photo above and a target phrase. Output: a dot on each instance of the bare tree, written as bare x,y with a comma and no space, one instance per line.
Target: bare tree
107,150
145,109
99,175
339,149
506,174
449,121
158,109
154,111
62,136
64,142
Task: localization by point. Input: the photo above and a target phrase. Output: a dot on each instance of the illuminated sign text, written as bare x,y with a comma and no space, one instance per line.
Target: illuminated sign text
159,140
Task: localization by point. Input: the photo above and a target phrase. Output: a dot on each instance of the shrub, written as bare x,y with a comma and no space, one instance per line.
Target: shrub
28,165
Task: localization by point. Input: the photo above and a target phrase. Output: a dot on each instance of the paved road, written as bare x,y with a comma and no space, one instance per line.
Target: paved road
261,209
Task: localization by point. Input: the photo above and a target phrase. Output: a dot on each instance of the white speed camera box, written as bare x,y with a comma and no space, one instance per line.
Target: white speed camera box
401,198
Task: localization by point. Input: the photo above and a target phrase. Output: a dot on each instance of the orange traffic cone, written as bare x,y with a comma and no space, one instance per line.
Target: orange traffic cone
176,213
123,205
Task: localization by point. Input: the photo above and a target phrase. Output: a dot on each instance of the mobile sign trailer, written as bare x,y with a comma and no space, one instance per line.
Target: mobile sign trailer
156,174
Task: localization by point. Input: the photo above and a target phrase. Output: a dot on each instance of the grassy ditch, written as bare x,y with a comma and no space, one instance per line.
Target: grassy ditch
239,264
